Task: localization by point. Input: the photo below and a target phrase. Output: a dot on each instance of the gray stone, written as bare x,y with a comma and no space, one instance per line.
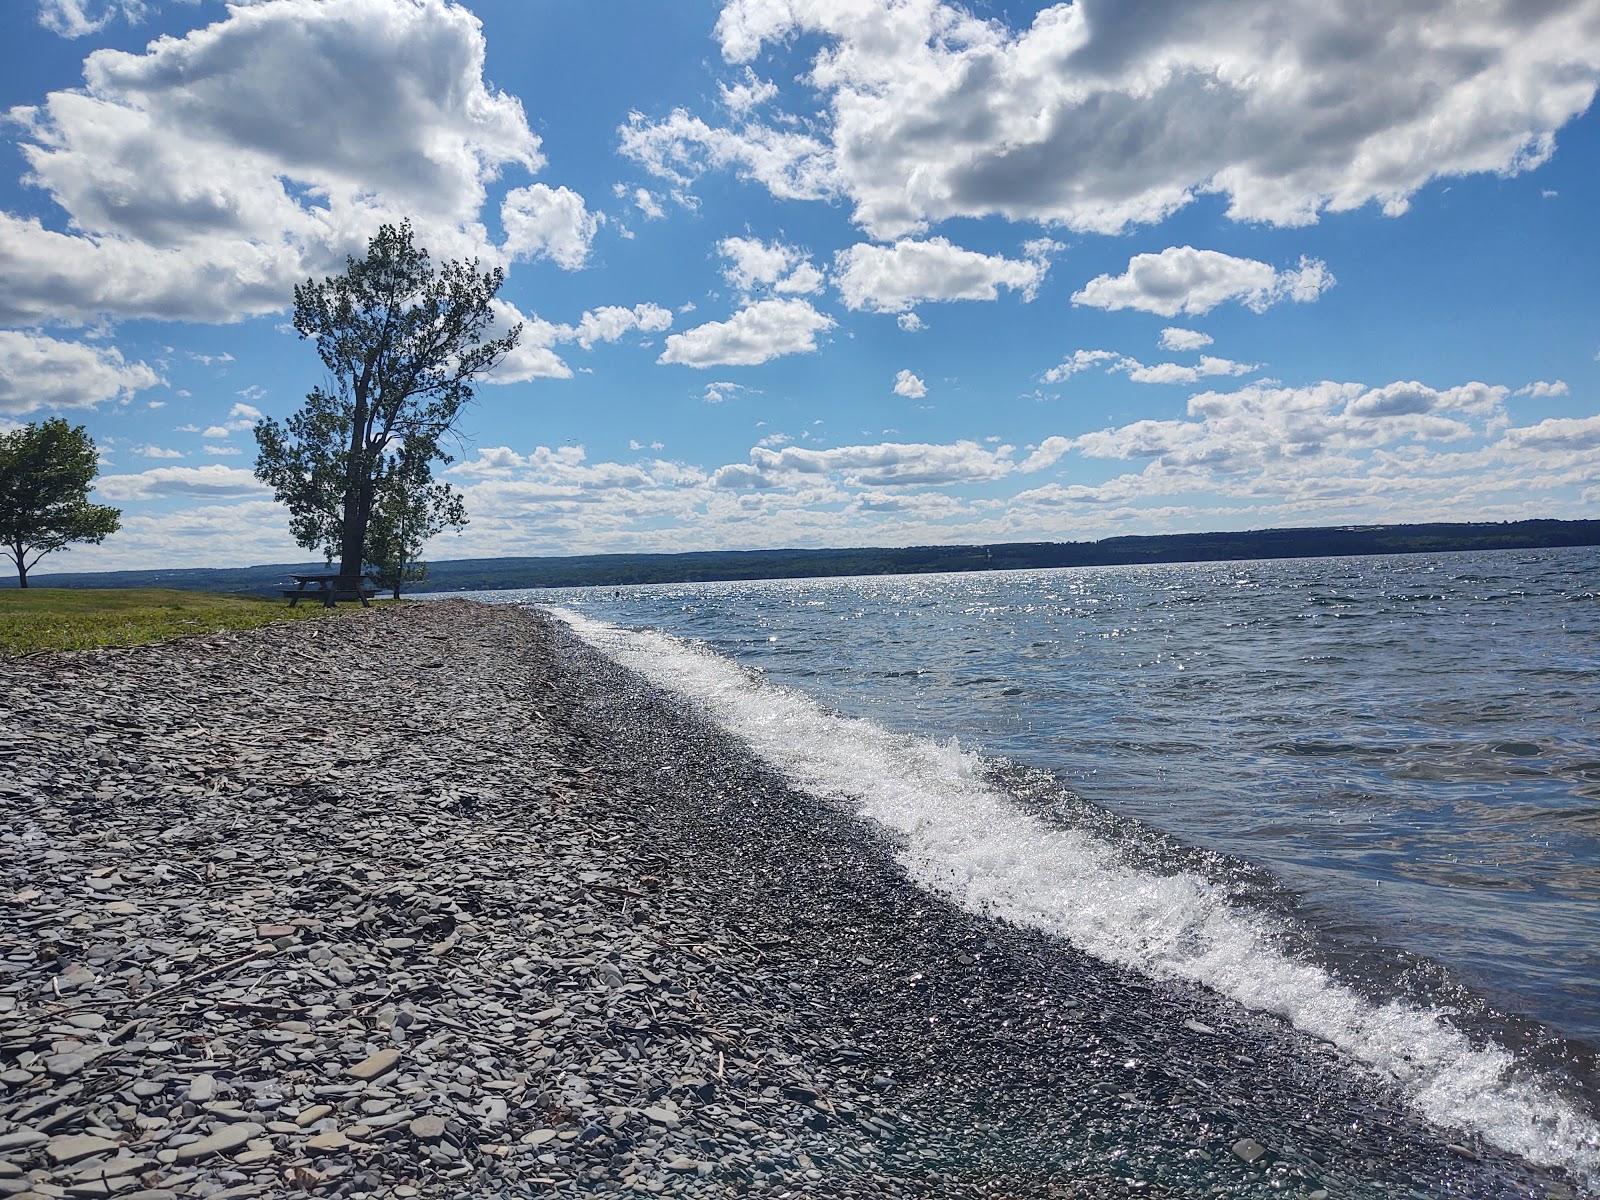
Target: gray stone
429,1128
70,1148
376,1065
1249,1150
224,1141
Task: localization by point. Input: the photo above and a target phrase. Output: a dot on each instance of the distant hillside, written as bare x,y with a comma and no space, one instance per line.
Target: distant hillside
476,574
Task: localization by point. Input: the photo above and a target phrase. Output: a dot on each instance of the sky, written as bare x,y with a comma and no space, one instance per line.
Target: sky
828,272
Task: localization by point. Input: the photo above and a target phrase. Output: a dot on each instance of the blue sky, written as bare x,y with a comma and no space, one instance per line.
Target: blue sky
829,272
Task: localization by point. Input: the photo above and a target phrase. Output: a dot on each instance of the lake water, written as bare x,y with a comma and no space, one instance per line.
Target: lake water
1361,793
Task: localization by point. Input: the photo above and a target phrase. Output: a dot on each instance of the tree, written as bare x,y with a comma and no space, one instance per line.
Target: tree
408,510
46,470
403,342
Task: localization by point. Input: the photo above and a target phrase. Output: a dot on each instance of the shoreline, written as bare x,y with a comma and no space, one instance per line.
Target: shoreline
573,940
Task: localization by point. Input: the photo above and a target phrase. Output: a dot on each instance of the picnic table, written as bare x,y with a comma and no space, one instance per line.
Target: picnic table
329,589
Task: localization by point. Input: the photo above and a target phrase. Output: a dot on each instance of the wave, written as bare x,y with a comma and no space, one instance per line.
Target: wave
961,836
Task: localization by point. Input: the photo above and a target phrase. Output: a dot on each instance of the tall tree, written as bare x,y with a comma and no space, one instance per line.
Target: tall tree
403,341
46,470
409,509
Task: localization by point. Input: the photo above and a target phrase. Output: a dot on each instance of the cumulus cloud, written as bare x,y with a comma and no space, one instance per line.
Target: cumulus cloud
546,222
1173,338
535,356
888,464
1181,279
157,452
1096,115
910,322
1046,454
211,481
1556,433
898,277
755,334
202,177
1138,372
910,386
41,372
611,322
1081,360
1540,389
753,264
1261,425
721,390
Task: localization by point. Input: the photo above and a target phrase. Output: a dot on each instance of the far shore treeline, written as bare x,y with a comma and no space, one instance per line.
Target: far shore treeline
617,570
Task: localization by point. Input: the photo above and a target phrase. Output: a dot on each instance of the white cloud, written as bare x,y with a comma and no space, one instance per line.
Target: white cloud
213,481
78,18
1046,454
1173,338
721,390
1556,433
42,372
215,431
898,277
221,451
248,414
611,322
157,452
756,334
1097,115
1138,372
908,385
1540,389
1182,373
535,357
546,222
1260,426
204,176
790,165
755,264
749,92
1181,279
647,204
888,464
909,322
1081,360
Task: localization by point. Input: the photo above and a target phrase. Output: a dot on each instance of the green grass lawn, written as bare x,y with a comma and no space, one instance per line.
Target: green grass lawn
34,619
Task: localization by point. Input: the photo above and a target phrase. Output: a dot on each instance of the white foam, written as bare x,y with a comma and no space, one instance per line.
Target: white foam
963,838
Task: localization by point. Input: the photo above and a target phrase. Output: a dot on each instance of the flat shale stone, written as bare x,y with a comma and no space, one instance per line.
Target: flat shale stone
376,1065
224,1141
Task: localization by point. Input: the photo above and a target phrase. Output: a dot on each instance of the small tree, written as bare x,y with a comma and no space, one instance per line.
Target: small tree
408,510
403,341
46,470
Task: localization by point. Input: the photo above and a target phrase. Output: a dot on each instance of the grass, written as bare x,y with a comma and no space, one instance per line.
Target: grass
35,619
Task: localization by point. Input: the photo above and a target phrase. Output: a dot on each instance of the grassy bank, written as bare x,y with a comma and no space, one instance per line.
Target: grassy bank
84,619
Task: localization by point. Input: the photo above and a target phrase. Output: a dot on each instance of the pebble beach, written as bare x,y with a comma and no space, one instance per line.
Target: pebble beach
433,900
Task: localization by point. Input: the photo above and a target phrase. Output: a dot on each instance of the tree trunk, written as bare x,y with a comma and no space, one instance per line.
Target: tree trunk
357,488
20,558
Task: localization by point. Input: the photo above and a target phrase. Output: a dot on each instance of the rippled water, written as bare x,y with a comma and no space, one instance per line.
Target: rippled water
1409,747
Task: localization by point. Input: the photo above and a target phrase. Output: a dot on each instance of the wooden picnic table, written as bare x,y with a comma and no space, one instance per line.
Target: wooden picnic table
326,587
